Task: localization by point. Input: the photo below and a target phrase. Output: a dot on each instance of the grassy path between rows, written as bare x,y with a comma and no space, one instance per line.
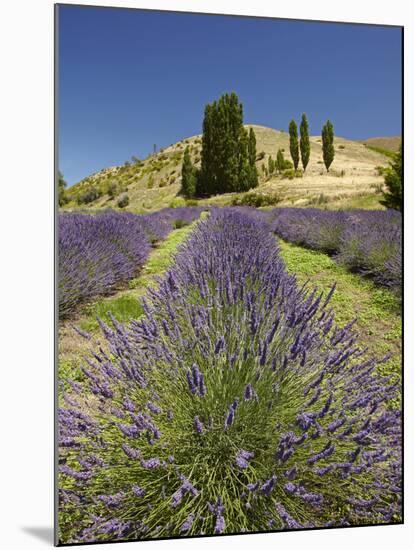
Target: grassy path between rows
376,309
124,305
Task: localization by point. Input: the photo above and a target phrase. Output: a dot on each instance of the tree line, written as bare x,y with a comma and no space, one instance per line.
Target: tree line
302,144
228,154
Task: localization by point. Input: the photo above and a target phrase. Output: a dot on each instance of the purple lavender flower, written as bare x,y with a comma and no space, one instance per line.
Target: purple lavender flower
130,451
242,458
286,518
111,500
269,485
186,526
153,408
151,463
229,418
198,425
248,392
220,345
220,525
138,491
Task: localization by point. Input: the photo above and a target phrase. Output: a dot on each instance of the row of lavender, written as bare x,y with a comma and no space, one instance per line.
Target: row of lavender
96,253
235,404
364,241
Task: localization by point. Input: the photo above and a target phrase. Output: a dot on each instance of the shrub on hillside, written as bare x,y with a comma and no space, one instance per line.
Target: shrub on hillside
112,190
123,201
191,202
256,199
90,195
319,200
393,182
291,174
177,202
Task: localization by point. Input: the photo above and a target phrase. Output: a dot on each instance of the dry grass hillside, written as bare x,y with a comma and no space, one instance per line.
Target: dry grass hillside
388,143
354,179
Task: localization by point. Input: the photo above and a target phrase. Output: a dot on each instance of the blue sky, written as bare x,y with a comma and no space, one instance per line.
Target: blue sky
129,79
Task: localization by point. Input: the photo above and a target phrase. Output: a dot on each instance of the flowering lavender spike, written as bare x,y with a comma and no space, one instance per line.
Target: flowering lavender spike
220,525
191,385
138,491
229,418
186,526
198,425
286,518
201,386
153,408
268,486
195,374
248,392
130,451
220,345
151,463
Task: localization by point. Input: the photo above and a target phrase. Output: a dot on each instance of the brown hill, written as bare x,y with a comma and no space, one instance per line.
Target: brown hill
155,182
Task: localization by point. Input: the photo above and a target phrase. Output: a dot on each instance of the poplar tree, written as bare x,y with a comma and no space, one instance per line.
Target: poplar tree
254,177
304,141
293,143
328,150
271,165
280,161
188,176
252,147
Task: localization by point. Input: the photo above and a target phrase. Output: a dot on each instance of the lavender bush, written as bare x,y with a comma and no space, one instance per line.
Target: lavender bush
366,241
235,404
96,253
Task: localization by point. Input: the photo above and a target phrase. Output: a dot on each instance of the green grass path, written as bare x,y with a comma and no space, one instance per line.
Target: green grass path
376,309
126,304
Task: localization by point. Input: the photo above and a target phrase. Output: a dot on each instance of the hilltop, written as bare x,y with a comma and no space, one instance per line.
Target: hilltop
384,143
354,180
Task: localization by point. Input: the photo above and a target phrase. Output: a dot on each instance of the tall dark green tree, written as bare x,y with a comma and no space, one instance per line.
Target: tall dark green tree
206,179
328,150
304,141
393,194
226,164
280,161
293,143
252,147
254,178
188,175
270,165
62,198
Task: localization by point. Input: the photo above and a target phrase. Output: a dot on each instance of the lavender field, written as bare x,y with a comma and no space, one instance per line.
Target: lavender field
237,401
365,241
